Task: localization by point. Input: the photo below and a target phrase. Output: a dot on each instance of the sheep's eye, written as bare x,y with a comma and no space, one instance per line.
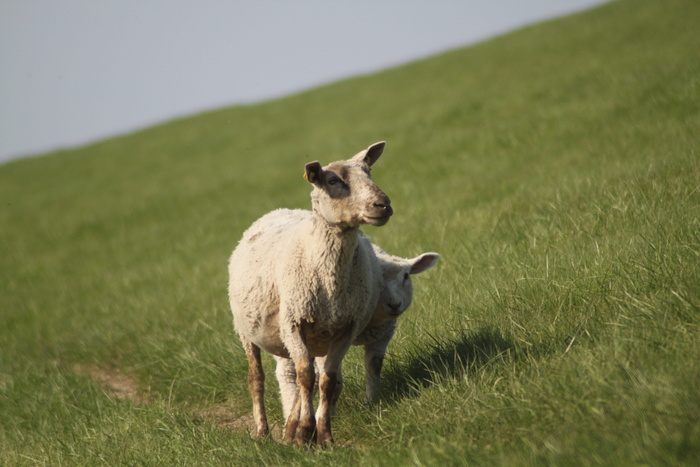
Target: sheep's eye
333,180
405,276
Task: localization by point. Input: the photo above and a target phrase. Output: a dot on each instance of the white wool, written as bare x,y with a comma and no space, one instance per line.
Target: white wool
281,263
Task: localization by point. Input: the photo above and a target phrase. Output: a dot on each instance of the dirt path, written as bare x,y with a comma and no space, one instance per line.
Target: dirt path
121,385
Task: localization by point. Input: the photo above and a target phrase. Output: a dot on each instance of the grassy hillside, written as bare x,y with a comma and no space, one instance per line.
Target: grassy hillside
556,171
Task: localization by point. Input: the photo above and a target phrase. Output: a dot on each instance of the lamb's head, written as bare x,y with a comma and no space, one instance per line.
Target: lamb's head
397,293
344,193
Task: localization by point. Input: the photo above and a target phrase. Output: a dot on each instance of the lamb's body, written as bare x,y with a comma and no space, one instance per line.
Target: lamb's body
300,287
395,298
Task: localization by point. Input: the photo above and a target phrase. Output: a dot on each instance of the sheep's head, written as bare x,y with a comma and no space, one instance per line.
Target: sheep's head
344,193
397,293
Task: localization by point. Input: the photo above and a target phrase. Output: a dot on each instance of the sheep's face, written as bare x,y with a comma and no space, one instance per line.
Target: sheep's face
397,293
344,193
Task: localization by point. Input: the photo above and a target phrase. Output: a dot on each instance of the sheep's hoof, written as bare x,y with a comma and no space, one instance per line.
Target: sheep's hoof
290,430
262,432
305,434
325,439
323,429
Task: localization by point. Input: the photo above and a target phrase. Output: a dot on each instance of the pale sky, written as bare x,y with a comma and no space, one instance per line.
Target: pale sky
76,71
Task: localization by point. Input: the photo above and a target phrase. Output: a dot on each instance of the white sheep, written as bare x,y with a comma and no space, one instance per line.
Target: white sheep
395,298
302,288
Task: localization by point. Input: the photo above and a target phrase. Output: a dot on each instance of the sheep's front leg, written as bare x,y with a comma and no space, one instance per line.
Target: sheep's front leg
301,423
256,383
374,359
329,387
320,363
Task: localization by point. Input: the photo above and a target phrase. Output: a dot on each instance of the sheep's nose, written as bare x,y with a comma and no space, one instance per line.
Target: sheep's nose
386,207
395,307
382,200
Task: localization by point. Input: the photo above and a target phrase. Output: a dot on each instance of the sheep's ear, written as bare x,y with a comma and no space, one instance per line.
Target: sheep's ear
313,172
423,262
370,155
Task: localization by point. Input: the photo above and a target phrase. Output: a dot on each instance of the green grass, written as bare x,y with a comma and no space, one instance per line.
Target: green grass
556,171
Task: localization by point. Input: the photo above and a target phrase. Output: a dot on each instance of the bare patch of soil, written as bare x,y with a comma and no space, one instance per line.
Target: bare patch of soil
115,383
223,417
121,385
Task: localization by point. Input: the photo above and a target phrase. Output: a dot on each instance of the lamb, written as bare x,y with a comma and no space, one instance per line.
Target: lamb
303,288
395,298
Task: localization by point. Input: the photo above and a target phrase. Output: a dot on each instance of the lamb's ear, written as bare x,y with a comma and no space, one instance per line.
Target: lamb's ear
423,262
313,172
370,155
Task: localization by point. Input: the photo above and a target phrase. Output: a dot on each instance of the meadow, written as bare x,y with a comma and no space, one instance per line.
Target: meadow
556,169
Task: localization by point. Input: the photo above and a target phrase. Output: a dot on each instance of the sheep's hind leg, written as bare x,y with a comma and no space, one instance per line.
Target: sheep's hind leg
290,426
256,383
287,380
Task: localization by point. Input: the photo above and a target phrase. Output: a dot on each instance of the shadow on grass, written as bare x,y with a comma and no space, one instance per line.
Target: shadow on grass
467,353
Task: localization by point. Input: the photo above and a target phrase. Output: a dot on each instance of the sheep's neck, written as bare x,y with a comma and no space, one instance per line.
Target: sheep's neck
336,249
